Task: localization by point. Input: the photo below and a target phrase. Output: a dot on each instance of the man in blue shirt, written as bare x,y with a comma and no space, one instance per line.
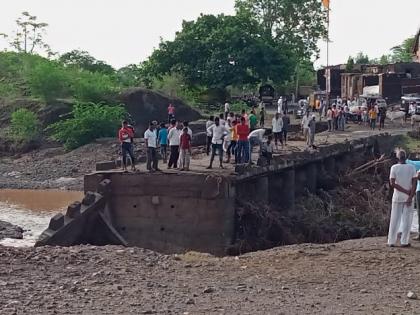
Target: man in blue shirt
416,164
163,141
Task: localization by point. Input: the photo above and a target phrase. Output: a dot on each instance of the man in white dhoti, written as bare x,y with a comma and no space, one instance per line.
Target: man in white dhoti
403,179
280,105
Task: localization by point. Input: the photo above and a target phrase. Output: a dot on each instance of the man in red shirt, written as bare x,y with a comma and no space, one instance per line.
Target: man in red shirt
185,153
125,135
242,151
171,112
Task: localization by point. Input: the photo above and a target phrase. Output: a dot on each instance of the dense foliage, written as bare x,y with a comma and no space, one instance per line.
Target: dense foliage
89,121
25,125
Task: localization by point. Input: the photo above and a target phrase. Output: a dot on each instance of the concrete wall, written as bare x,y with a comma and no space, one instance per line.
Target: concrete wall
170,212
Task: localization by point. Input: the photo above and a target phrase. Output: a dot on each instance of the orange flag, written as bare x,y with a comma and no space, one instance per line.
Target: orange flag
326,3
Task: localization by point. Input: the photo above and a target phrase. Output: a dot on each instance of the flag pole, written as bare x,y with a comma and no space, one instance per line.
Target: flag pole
328,54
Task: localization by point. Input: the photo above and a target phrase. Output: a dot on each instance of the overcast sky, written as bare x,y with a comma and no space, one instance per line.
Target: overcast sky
126,31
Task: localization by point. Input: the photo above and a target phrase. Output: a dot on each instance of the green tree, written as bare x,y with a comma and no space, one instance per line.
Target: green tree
29,35
82,59
217,51
350,64
25,125
49,80
295,24
130,75
403,52
93,86
362,59
89,121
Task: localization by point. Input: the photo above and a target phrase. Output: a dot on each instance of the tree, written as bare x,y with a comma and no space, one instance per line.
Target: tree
217,51
350,64
403,52
362,59
296,24
83,60
30,35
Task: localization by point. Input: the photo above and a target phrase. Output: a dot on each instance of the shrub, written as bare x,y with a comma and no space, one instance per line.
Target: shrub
238,106
93,86
49,81
89,121
25,125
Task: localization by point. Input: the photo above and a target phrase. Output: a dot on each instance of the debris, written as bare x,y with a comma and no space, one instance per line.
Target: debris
411,295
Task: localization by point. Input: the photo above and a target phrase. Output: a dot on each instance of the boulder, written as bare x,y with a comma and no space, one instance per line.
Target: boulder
145,105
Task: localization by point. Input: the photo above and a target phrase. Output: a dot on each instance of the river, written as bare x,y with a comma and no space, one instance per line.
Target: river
33,209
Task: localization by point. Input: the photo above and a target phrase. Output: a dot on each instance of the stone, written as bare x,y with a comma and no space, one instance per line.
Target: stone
190,301
208,290
104,186
411,295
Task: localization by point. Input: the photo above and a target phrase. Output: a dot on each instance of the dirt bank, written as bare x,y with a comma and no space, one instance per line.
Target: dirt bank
353,277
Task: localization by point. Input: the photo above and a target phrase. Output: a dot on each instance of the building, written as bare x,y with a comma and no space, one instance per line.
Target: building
388,81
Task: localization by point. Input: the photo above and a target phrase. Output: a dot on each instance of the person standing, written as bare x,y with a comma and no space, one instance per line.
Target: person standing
382,116
231,150
416,164
312,130
171,112
372,118
227,109
335,117
185,125
278,130
150,137
163,142
185,150
218,133
280,105
242,151
286,127
174,140
125,135
329,118
403,179
262,116
267,149
253,121
209,123
305,126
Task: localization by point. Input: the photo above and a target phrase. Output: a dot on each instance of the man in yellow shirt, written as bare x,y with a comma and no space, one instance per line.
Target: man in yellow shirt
373,115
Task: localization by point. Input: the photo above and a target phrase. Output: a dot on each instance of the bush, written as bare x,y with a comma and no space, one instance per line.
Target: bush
25,126
89,122
93,86
49,81
237,107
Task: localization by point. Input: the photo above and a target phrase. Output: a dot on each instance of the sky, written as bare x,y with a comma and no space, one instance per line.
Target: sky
126,31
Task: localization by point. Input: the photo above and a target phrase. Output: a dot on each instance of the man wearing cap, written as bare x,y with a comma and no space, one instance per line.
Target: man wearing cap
403,179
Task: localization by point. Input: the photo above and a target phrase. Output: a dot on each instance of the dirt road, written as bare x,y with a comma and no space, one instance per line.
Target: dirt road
353,277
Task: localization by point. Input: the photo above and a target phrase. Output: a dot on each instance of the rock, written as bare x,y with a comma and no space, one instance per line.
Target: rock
119,287
8,230
411,295
208,290
363,291
190,301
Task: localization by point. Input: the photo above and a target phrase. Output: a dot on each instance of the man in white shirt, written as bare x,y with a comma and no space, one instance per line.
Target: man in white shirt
403,179
174,140
150,137
277,129
305,126
209,123
255,138
280,105
227,109
218,133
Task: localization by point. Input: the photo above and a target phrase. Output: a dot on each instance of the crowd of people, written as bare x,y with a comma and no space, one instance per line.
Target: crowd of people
230,136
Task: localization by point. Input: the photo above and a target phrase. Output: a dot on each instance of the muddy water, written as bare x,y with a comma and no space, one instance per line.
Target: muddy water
32,210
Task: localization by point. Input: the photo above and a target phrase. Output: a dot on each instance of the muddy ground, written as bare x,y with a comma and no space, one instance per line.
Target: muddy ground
8,230
353,277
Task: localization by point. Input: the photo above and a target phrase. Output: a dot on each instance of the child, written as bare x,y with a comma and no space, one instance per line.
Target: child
267,149
185,150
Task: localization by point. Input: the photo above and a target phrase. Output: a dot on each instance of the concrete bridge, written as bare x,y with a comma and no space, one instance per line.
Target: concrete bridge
173,212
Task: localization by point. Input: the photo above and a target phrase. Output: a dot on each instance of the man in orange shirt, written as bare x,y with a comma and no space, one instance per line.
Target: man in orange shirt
373,115
125,135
